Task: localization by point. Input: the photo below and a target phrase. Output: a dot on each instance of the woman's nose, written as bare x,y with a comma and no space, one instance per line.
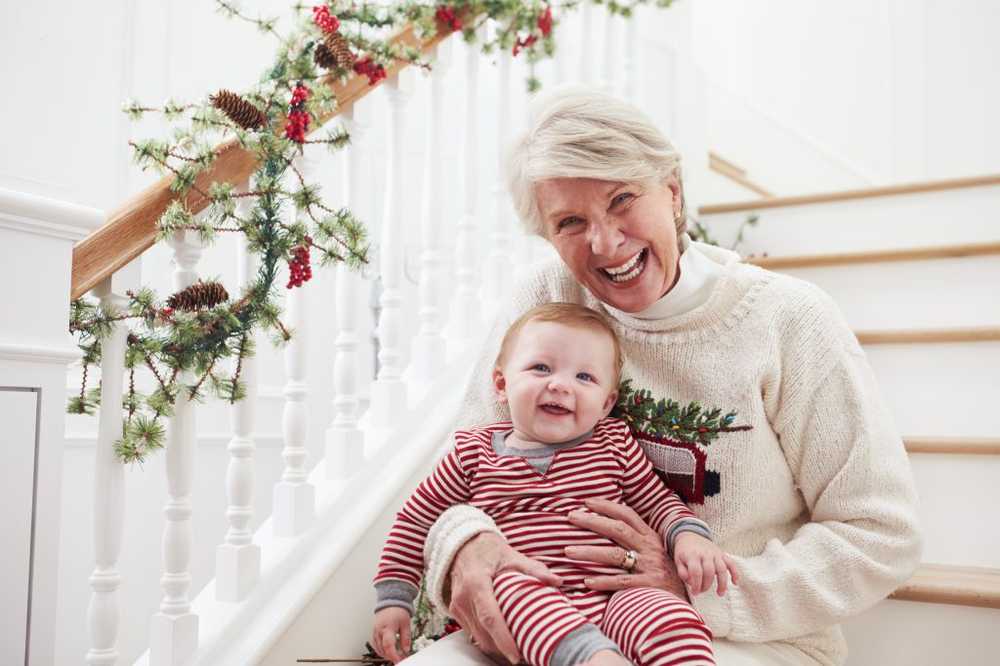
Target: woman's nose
605,237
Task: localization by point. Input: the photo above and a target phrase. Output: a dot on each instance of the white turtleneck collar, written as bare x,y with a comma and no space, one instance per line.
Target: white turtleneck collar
698,275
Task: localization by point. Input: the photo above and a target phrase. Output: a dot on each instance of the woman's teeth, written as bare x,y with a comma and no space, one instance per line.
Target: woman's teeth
628,270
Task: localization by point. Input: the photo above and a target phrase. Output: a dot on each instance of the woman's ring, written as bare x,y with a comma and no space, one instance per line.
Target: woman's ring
629,560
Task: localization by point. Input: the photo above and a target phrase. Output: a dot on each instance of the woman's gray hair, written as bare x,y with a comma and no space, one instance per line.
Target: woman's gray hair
578,132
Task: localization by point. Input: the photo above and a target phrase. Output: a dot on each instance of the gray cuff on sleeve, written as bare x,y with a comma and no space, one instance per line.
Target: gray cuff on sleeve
395,593
686,525
581,644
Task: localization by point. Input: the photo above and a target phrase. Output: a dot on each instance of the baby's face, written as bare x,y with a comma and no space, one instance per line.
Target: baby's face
558,381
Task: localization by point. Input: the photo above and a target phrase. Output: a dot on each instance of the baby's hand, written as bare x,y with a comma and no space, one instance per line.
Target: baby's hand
699,560
390,623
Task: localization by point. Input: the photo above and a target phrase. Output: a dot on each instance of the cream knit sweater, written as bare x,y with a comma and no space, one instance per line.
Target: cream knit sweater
816,501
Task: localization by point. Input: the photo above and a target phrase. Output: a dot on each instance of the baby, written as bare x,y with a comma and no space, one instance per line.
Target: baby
558,371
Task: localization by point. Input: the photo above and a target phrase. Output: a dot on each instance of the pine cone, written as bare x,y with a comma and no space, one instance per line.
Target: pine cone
199,295
338,48
324,57
237,109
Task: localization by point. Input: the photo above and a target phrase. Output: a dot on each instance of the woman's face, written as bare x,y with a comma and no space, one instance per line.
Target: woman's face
618,239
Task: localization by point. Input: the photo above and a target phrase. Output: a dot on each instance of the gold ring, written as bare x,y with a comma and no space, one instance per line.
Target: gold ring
629,560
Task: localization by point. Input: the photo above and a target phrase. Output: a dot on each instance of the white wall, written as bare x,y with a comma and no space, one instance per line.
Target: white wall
901,89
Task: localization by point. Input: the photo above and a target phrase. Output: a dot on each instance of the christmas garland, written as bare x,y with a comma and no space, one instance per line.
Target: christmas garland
666,418
181,340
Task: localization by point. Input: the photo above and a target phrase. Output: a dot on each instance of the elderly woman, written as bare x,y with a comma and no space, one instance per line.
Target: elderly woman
802,476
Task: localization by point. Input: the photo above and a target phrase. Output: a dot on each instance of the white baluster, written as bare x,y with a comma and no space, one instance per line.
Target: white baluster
344,439
612,59
429,345
632,62
173,634
294,496
109,494
466,308
561,58
237,559
498,261
587,46
388,391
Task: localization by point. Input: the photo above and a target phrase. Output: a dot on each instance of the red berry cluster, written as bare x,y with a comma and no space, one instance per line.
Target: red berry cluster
524,43
446,15
545,21
326,21
374,71
299,270
451,627
298,118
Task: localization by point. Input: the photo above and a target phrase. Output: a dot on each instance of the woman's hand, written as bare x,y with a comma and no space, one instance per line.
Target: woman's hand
392,624
473,603
624,526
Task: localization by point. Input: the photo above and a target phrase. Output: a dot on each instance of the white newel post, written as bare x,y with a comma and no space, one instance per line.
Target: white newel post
388,390
237,558
466,308
632,87
498,261
587,46
109,494
612,59
429,348
173,636
344,451
294,496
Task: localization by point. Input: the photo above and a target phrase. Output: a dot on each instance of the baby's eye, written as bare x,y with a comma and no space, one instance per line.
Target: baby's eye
540,367
585,376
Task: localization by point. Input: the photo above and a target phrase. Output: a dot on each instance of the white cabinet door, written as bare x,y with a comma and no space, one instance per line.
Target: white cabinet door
18,422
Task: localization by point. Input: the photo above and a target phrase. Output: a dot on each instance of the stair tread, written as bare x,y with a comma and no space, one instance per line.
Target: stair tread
948,584
975,445
929,335
876,256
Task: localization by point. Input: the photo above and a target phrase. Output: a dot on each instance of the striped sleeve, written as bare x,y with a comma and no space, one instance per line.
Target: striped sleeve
402,556
659,506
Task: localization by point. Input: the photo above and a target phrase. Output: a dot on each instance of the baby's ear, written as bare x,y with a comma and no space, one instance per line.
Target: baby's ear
499,385
610,402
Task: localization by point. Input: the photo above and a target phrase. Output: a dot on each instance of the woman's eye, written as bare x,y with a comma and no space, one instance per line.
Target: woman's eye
585,376
540,367
567,222
621,198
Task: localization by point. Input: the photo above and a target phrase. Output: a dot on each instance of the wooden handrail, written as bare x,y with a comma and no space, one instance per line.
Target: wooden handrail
849,195
877,256
958,445
962,586
724,167
927,336
131,229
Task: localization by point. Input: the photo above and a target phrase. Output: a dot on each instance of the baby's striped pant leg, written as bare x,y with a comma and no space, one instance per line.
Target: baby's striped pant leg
538,615
656,628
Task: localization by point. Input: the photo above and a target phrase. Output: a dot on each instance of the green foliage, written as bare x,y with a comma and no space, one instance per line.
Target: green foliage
667,418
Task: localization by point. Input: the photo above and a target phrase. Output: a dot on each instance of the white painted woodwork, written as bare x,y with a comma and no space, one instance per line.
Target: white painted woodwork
294,496
344,439
173,633
632,89
19,414
465,312
237,558
587,46
611,79
388,390
498,271
429,347
109,494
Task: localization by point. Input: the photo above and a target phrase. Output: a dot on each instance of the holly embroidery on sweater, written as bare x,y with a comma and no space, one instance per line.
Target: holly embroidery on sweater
674,438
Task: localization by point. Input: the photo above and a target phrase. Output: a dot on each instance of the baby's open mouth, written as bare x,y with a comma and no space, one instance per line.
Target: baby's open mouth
630,270
554,409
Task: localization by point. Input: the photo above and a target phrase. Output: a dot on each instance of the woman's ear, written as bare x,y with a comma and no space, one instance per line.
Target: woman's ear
676,193
610,402
500,385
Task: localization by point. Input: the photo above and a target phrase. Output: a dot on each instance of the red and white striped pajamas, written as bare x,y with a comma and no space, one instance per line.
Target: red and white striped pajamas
651,626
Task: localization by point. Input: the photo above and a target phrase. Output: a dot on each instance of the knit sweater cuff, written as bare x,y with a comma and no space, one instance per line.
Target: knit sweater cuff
446,537
722,614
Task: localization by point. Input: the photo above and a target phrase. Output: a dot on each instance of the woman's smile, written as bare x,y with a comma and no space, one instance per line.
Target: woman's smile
628,271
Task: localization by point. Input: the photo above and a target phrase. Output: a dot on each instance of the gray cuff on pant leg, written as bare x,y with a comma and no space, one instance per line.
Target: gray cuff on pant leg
580,645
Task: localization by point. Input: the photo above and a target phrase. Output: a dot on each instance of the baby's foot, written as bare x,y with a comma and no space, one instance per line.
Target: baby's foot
607,658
